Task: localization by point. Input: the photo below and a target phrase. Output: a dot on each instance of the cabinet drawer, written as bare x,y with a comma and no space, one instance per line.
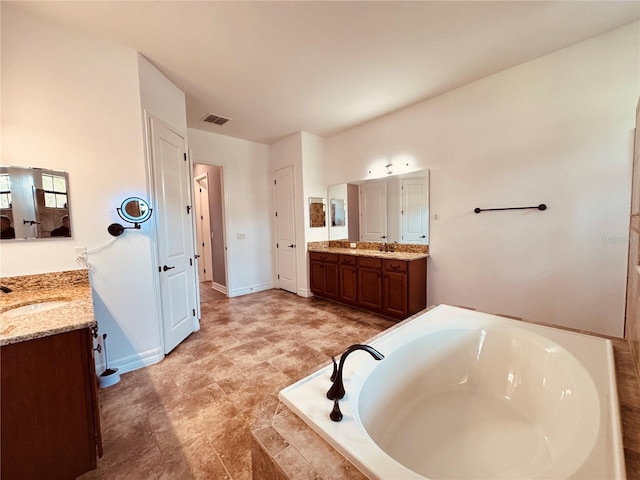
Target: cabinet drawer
369,262
395,265
347,260
323,257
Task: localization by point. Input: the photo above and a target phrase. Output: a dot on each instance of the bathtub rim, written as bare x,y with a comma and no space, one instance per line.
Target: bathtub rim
611,412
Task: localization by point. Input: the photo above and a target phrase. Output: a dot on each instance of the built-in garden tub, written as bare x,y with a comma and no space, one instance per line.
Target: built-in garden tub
467,395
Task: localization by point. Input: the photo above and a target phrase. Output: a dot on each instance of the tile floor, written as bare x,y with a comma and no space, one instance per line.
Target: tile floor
189,416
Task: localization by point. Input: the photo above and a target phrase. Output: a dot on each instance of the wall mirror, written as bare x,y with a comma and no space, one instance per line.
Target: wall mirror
34,203
337,212
317,214
390,209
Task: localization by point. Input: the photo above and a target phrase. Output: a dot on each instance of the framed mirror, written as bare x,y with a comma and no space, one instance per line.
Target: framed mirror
34,203
394,208
317,214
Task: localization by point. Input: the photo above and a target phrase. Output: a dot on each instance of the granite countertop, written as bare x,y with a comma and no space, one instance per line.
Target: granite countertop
72,287
361,252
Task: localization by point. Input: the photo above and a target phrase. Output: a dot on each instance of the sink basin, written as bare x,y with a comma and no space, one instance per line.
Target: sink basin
32,308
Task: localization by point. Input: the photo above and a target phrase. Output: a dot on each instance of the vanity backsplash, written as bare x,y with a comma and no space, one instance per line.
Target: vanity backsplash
398,247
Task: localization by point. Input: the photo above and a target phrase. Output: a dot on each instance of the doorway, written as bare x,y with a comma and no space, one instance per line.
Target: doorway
212,234
203,227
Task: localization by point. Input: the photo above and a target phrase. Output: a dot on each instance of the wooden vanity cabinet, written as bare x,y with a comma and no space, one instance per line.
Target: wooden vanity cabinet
348,279
391,287
324,274
405,287
395,300
370,283
49,407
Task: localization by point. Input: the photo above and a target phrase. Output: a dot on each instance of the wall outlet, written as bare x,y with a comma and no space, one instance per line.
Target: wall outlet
352,245
240,236
79,251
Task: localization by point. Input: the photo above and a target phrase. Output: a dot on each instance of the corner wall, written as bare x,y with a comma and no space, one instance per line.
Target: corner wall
556,130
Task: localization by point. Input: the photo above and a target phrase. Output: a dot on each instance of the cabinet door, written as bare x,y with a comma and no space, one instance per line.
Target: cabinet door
370,288
348,282
47,411
331,280
317,277
395,294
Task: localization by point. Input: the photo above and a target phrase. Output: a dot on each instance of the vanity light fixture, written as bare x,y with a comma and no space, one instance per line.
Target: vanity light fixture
388,169
133,210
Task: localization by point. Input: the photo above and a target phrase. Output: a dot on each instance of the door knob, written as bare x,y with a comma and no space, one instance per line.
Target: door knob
165,268
292,246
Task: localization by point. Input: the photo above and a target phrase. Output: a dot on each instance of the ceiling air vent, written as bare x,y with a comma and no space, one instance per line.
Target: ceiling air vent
217,119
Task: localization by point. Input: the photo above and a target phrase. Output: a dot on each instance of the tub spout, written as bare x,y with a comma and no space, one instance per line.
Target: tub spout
337,389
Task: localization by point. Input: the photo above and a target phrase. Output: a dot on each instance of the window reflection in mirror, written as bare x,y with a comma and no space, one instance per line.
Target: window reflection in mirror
317,213
390,209
34,203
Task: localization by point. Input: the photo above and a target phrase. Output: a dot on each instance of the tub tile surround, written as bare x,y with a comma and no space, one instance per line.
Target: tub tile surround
72,286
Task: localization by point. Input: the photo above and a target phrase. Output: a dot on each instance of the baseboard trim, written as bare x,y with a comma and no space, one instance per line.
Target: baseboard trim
252,289
303,292
133,362
219,288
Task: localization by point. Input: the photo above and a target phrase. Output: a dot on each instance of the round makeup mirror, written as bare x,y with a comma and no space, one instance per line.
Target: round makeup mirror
133,210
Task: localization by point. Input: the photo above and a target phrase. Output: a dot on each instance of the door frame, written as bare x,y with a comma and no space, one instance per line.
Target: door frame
294,224
208,260
223,206
225,289
151,191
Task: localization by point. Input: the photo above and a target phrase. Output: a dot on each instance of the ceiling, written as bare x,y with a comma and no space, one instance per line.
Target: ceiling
276,68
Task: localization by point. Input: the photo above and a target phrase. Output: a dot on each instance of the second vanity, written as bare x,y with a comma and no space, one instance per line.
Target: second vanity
393,284
49,411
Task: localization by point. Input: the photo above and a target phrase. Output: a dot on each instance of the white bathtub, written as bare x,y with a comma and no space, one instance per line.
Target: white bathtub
467,395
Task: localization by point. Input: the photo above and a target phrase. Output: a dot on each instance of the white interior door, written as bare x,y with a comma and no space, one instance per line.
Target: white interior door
175,236
373,211
285,229
415,210
203,228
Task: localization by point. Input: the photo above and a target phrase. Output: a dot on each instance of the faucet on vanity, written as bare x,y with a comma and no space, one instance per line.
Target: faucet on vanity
5,289
336,392
388,247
